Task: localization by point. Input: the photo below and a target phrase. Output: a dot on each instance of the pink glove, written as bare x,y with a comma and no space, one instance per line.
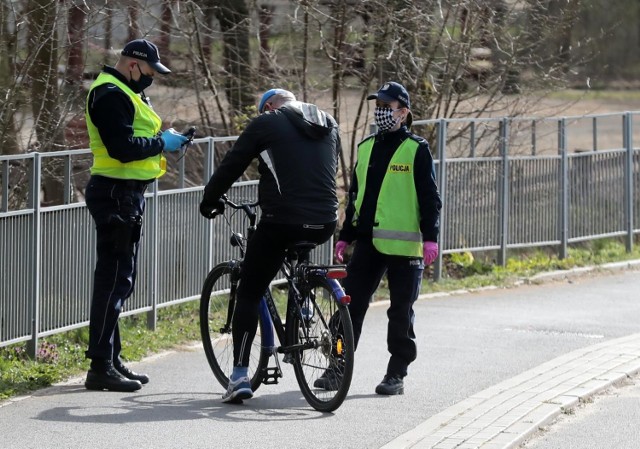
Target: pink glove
341,245
429,252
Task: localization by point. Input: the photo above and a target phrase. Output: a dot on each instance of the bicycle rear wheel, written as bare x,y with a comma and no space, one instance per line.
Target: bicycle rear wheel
217,304
327,328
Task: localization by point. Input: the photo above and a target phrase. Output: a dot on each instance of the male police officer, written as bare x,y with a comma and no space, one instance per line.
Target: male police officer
125,139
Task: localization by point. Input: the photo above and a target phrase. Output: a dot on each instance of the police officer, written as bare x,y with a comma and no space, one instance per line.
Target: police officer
392,216
127,145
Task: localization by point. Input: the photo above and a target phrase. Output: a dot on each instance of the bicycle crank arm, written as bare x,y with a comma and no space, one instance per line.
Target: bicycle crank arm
298,347
270,375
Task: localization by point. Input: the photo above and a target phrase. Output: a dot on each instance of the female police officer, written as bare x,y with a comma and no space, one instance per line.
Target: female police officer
392,216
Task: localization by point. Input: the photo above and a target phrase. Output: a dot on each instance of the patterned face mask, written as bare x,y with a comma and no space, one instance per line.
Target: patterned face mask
384,118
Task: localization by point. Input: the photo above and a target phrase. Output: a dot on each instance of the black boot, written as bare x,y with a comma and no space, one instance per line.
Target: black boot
126,372
390,385
103,376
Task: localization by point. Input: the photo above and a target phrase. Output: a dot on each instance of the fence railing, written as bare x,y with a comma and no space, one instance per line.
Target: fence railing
506,183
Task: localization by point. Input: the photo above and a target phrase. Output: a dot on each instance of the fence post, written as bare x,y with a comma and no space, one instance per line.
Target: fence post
472,138
628,179
210,160
534,143
152,315
442,186
504,193
564,188
36,248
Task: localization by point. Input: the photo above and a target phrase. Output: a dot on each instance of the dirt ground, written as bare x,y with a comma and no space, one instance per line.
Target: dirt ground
178,106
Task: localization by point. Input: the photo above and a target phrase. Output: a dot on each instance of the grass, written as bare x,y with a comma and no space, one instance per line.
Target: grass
61,356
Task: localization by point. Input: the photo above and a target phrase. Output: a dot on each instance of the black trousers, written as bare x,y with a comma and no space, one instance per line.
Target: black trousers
117,207
263,259
404,274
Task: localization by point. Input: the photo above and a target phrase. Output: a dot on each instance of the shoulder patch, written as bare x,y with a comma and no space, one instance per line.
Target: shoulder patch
420,140
105,89
370,136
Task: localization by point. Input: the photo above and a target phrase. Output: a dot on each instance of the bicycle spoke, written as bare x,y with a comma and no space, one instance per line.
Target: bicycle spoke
216,303
324,371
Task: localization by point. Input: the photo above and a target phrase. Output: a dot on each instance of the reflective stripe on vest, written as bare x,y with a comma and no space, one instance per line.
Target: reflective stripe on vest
146,123
397,211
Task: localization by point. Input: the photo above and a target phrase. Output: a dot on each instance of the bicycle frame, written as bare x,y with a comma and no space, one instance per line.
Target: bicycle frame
315,334
270,314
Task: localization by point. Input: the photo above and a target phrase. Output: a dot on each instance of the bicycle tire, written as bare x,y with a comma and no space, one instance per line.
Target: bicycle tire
217,341
330,327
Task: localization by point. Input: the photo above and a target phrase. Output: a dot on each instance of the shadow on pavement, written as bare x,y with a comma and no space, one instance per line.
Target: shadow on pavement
174,407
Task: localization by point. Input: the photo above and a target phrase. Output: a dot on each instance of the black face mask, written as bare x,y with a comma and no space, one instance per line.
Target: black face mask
140,85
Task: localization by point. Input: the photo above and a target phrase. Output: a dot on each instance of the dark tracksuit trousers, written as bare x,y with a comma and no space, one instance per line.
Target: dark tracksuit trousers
117,207
263,259
404,274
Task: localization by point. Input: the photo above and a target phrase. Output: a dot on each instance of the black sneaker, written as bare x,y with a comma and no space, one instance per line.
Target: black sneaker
390,385
126,372
330,379
111,380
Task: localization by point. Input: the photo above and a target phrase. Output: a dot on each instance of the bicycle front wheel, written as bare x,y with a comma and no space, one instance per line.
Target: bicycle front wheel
324,370
217,305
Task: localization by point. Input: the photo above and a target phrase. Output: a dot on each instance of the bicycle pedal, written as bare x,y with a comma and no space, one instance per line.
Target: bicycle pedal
271,375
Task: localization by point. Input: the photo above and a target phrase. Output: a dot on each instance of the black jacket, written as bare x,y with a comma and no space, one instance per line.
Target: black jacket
112,112
384,147
297,147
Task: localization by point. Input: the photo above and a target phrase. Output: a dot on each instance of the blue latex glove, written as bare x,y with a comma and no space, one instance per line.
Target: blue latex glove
172,139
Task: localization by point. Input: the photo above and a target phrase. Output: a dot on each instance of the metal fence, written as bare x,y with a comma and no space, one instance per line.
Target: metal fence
505,183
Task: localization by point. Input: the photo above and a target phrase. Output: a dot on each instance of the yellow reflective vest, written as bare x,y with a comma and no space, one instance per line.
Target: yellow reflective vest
146,123
397,212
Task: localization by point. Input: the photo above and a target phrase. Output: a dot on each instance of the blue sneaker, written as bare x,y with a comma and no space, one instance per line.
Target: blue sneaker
238,390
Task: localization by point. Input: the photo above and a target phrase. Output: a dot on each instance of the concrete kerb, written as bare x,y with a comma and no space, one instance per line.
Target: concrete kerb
505,415
542,277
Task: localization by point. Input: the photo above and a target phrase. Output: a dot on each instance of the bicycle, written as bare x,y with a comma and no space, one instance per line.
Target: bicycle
316,335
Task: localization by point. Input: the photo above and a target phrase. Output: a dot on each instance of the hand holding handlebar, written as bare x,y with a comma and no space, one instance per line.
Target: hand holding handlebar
210,211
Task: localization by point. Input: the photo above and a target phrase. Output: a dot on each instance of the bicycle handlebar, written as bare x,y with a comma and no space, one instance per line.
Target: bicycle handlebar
246,207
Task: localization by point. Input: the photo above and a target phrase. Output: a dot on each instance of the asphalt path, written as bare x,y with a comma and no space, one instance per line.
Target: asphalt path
467,343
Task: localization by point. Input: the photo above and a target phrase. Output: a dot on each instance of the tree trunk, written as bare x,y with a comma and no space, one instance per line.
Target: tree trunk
208,8
233,16
8,138
75,59
166,17
108,32
265,15
43,46
133,31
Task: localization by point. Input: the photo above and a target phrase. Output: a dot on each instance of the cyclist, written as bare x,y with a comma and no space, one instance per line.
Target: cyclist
297,147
